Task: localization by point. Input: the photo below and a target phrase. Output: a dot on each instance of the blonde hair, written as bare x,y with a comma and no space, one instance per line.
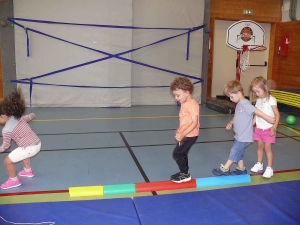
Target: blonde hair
233,87
261,83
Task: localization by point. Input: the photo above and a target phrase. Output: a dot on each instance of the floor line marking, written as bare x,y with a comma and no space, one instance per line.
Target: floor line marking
121,118
136,161
294,130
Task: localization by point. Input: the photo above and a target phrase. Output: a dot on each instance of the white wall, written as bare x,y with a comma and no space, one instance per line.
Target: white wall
170,55
48,55
224,67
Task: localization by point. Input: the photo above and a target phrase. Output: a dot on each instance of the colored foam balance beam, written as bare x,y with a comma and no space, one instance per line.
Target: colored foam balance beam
119,189
85,191
164,185
157,186
222,180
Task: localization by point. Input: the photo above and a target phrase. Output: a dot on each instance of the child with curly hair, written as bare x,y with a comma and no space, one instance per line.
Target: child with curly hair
16,129
189,124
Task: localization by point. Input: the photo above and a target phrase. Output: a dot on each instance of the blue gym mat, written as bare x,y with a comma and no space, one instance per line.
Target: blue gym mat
92,212
276,203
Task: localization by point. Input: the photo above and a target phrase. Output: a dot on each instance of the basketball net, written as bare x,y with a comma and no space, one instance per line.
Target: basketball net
243,61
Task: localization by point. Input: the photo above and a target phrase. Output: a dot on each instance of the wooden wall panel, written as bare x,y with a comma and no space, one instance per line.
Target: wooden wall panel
272,51
211,56
287,72
263,10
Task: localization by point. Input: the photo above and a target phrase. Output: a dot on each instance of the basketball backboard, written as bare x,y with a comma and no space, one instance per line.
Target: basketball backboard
245,32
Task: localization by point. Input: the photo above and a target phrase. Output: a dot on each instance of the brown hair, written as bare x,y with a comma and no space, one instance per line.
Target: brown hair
182,83
259,82
13,105
233,87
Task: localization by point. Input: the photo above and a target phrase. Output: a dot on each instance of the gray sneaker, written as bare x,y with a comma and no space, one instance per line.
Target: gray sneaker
221,171
239,171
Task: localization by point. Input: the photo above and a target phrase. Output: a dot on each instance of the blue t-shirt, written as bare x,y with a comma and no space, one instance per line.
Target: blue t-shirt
242,122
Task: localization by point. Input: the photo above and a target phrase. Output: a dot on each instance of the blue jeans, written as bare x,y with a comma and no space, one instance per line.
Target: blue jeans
237,151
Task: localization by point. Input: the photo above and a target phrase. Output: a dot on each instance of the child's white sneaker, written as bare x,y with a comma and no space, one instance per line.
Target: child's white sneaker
257,167
268,173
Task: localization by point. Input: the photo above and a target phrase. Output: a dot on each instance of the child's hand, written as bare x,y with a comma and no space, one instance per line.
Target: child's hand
179,136
271,119
273,131
229,126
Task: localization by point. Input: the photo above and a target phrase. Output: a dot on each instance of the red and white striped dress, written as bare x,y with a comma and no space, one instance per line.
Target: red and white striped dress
19,131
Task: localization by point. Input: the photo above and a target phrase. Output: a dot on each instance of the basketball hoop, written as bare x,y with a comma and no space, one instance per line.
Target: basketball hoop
245,36
244,58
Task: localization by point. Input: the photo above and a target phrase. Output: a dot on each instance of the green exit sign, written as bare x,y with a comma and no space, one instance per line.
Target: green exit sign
248,12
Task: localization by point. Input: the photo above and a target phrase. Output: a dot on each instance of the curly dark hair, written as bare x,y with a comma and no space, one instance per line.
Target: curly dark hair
182,83
13,105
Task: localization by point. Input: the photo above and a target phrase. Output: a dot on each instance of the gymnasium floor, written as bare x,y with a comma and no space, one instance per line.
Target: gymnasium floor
105,146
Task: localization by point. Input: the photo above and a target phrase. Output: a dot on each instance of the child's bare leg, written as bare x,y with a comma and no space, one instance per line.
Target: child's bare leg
260,150
26,163
269,153
241,164
228,164
10,167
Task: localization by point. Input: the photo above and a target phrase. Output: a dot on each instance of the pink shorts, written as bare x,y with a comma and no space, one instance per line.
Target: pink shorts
264,135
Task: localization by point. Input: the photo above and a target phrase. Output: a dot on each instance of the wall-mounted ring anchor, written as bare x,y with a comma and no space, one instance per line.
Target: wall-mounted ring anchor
3,23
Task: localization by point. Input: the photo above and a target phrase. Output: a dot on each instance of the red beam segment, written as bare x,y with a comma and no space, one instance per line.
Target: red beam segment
163,185
34,193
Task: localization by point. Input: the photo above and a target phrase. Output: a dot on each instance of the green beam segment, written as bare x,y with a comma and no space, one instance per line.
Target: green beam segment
119,189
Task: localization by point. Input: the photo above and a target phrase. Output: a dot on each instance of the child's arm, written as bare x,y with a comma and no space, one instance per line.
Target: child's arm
180,135
229,124
6,141
254,120
277,118
267,118
29,117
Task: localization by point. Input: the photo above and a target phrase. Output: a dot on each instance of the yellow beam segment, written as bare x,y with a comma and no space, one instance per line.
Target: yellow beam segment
86,191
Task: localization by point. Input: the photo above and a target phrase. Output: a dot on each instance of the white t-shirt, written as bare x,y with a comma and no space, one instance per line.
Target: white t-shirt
266,107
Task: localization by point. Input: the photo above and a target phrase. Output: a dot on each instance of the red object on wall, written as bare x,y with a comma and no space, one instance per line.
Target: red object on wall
284,45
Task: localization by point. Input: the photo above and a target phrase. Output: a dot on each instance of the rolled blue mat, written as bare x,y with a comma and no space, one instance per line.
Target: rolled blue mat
222,180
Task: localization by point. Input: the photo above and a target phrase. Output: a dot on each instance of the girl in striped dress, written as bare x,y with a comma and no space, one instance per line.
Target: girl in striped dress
16,129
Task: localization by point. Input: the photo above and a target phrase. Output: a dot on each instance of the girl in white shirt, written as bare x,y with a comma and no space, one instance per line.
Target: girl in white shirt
264,133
